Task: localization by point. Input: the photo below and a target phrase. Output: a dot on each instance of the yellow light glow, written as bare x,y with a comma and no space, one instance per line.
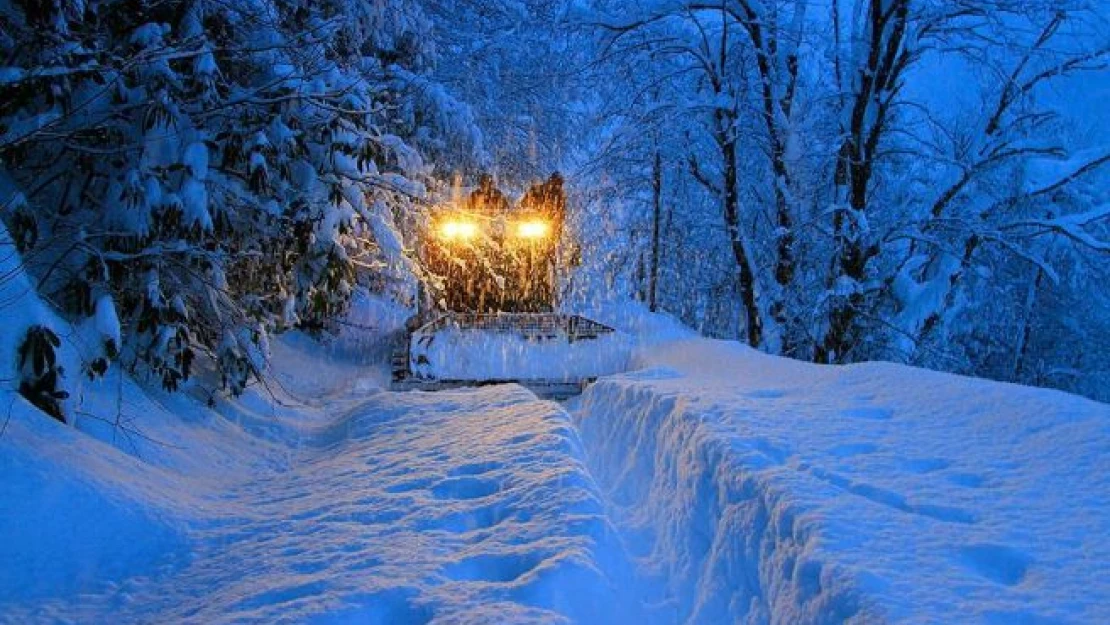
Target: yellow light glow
534,229
458,230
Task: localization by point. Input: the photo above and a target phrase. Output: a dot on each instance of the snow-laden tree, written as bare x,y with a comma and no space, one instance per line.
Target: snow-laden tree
900,166
1014,174
208,172
713,86
888,59
523,73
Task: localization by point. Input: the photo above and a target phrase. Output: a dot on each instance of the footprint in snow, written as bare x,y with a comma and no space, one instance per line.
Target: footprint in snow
492,567
925,465
891,499
466,487
475,468
870,413
410,485
998,563
520,439
462,521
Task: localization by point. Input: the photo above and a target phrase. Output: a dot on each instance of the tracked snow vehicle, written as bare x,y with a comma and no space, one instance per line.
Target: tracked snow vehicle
491,269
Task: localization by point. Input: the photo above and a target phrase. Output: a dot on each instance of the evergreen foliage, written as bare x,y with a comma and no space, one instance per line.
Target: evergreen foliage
40,374
218,170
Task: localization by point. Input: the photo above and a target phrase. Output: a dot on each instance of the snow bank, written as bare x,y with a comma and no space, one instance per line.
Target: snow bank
757,489
117,497
72,516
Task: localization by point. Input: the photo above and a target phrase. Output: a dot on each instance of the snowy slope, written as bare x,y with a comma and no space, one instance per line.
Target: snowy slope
756,489
335,503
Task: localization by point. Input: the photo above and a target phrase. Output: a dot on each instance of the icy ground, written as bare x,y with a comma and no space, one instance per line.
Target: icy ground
757,489
354,506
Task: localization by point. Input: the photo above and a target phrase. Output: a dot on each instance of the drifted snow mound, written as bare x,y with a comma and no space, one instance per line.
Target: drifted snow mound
474,355
753,489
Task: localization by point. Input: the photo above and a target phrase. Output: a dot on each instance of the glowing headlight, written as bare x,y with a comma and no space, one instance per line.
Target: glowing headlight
458,230
533,229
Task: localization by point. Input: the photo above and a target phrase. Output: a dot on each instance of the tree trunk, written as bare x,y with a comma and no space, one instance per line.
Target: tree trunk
1022,351
775,109
852,257
657,215
878,82
784,258
731,205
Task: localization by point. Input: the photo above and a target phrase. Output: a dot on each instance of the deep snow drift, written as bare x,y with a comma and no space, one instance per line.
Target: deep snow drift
758,489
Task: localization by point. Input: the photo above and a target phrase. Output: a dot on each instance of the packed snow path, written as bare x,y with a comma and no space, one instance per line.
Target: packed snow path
457,507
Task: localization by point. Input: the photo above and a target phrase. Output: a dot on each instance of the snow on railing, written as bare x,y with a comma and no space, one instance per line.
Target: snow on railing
533,326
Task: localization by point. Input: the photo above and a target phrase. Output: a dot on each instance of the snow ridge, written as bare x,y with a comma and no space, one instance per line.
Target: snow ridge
722,542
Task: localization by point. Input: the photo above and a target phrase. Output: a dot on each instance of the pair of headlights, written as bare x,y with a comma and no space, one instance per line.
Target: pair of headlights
465,230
